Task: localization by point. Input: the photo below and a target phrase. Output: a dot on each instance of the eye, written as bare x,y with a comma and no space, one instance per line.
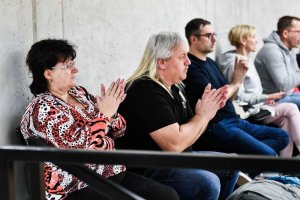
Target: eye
70,65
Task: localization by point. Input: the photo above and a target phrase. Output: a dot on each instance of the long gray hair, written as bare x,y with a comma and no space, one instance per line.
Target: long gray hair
159,46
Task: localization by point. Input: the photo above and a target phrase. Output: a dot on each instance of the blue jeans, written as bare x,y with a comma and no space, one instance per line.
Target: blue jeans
192,184
240,136
292,98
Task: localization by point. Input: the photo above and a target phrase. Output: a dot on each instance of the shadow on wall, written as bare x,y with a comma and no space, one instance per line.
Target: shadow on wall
17,86
17,96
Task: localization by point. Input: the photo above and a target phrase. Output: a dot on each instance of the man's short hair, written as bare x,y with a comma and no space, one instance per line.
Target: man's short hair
285,22
192,27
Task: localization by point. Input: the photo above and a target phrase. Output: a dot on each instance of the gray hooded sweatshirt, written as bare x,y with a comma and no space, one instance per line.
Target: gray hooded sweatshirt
251,90
277,66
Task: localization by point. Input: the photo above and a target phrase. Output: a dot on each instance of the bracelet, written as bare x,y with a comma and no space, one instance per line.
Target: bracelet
115,115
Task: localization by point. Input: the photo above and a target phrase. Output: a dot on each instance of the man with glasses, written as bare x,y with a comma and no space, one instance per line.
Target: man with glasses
276,61
226,132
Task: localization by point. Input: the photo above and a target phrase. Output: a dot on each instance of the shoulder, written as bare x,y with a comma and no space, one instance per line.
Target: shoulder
211,62
269,50
195,61
43,98
39,107
144,94
144,87
269,56
43,103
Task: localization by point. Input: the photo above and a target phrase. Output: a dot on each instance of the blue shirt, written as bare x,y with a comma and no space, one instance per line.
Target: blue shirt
200,73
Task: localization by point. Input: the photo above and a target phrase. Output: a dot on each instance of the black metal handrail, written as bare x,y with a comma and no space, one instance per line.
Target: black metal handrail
144,159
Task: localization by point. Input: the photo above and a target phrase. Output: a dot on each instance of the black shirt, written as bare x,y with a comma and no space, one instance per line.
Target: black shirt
147,108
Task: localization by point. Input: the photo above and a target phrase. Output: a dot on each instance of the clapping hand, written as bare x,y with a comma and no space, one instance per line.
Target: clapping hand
212,100
109,100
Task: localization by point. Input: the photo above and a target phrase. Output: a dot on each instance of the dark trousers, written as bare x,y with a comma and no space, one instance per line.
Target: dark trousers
136,183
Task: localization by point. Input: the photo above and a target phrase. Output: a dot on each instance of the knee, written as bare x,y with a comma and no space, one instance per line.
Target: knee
211,186
167,193
200,184
292,109
234,175
282,140
288,109
285,138
158,191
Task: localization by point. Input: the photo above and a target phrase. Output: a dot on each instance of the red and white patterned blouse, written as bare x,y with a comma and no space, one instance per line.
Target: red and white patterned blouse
69,127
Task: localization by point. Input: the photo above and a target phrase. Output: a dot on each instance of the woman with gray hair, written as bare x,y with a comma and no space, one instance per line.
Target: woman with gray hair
159,117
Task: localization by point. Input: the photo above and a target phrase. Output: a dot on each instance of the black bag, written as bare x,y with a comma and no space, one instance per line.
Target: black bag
257,117
261,115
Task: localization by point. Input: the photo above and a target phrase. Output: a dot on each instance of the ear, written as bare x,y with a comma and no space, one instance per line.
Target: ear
243,41
285,33
47,74
161,64
193,38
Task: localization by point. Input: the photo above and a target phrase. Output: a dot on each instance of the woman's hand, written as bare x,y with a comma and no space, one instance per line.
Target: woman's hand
275,96
109,100
270,102
212,100
241,66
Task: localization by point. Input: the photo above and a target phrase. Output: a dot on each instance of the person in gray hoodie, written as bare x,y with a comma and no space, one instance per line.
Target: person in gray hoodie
276,61
284,115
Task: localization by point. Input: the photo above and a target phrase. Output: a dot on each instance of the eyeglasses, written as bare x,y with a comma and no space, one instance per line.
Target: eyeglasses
65,66
208,35
294,31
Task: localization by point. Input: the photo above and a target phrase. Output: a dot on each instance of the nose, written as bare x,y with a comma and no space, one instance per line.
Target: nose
74,69
187,62
213,38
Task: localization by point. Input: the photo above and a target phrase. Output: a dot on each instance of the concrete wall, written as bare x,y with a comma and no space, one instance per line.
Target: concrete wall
110,37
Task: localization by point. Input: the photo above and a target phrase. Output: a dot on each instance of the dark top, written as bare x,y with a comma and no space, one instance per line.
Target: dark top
200,73
147,108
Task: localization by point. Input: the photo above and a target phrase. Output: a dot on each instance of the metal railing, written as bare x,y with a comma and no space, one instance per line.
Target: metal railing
142,159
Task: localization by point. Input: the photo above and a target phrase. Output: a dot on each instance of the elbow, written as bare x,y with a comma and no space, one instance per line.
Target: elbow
175,148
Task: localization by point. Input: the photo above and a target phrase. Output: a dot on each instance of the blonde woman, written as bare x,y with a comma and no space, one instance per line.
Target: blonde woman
286,115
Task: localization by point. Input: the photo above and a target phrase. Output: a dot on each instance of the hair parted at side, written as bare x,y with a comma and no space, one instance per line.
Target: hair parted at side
194,27
159,46
285,22
44,55
238,32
